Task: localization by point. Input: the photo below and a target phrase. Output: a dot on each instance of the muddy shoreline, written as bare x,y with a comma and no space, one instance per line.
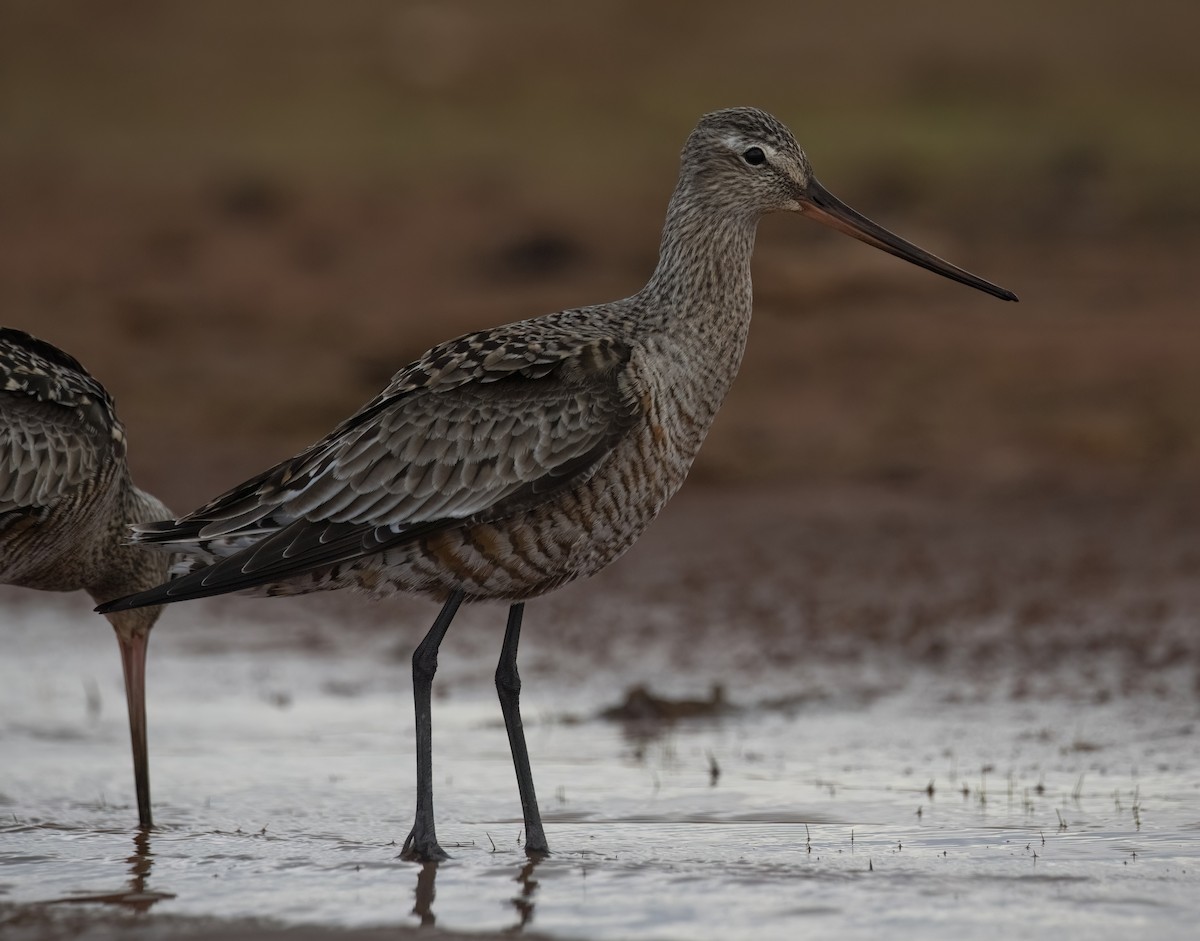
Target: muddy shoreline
917,688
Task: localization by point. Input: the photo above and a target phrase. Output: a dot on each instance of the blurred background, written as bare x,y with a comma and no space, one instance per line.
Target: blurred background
244,217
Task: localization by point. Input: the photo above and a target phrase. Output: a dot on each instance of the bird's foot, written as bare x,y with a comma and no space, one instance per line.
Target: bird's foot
537,848
422,846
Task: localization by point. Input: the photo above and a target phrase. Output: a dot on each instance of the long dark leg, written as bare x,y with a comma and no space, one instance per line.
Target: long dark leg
133,663
422,841
508,686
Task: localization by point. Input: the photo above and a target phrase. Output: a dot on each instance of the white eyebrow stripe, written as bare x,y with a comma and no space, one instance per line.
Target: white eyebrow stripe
737,143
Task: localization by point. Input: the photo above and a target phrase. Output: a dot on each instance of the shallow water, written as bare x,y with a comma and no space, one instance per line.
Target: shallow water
283,784
879,795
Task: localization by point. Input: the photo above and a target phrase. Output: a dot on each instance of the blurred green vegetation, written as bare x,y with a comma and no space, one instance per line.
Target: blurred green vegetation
585,94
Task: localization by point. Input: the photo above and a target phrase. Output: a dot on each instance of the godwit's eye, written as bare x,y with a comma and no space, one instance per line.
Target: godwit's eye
754,156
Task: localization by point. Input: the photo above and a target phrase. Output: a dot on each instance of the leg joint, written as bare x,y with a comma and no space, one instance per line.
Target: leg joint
424,663
508,680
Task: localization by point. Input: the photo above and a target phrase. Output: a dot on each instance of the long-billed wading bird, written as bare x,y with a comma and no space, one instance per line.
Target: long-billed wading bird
505,463
67,502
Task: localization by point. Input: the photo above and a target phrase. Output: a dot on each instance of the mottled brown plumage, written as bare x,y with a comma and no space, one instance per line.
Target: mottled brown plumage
504,463
67,502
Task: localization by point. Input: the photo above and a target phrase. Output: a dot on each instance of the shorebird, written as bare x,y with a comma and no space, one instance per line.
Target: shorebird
502,464
67,502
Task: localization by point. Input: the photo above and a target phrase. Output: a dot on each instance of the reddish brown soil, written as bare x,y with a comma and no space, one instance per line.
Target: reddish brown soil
244,220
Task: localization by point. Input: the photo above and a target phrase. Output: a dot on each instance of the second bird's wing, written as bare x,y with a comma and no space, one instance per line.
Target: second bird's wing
57,426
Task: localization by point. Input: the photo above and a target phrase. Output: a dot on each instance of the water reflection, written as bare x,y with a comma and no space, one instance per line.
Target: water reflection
425,894
137,896
524,903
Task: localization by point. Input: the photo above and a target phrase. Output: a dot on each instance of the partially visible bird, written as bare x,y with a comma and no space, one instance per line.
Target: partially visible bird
67,502
505,463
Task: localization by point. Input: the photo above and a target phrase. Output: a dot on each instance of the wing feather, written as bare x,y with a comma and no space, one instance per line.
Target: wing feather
57,426
304,546
461,436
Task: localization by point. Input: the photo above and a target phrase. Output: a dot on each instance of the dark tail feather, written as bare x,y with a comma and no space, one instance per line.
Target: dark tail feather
185,588
271,560
295,550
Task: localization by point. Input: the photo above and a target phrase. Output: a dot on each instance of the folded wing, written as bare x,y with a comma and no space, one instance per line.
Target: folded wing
57,426
477,430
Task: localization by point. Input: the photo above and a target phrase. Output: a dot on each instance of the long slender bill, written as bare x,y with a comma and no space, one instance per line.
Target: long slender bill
820,204
133,662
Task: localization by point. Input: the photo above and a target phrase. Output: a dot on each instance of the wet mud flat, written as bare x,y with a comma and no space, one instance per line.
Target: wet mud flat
840,711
